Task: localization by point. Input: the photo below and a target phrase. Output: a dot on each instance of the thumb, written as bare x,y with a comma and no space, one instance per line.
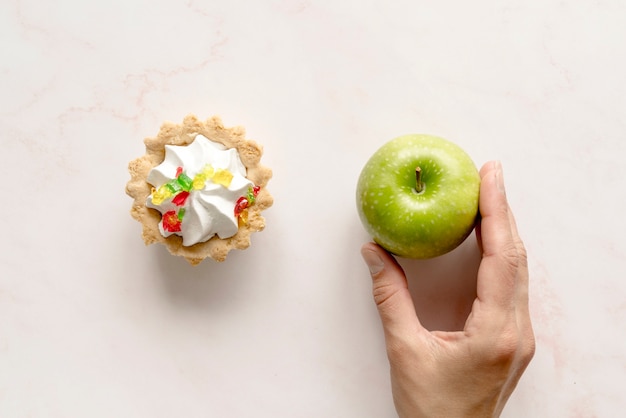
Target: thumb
391,292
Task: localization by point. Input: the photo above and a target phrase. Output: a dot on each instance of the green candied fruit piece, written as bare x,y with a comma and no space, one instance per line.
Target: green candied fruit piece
251,197
174,187
181,213
185,181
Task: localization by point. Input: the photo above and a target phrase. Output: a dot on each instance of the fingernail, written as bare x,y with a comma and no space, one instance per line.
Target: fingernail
499,177
373,261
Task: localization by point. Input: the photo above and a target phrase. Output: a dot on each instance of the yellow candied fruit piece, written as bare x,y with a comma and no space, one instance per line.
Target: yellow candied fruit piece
243,217
222,177
160,195
200,179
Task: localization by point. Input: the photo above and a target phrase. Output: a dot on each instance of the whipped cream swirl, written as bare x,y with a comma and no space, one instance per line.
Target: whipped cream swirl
197,188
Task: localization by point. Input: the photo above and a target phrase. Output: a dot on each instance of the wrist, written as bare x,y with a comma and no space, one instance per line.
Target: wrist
448,408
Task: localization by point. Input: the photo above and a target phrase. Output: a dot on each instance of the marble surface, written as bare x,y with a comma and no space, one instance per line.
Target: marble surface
93,323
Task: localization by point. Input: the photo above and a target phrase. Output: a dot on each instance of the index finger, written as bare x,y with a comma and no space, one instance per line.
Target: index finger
500,258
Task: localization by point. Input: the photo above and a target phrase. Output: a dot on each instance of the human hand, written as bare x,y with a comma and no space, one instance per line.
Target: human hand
468,373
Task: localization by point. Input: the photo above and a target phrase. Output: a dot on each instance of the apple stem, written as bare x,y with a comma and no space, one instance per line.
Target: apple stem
419,186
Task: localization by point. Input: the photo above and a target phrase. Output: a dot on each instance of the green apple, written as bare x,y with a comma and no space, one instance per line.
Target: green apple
417,196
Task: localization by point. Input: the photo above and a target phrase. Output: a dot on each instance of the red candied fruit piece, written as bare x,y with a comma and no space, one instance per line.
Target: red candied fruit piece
180,198
171,222
241,205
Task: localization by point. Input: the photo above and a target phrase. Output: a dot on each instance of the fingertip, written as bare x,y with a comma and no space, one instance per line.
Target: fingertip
371,246
371,254
491,173
488,167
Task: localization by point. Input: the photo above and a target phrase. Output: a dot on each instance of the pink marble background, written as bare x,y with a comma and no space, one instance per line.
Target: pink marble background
92,323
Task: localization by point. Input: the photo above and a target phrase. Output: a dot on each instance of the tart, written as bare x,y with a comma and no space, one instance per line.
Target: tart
199,189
